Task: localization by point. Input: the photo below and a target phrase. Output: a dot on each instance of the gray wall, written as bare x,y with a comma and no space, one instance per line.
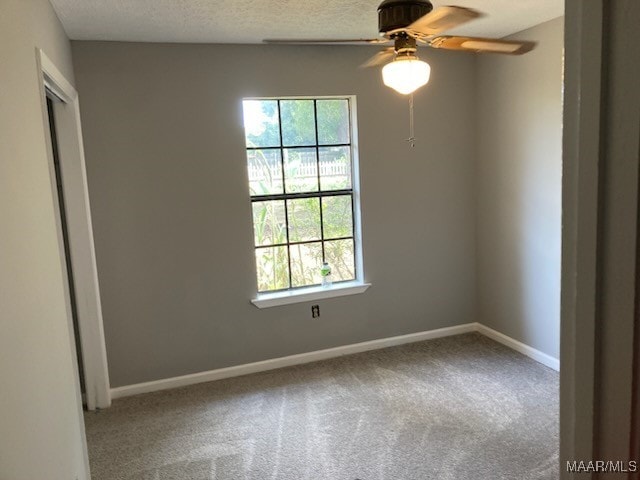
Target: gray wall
519,190
40,414
170,202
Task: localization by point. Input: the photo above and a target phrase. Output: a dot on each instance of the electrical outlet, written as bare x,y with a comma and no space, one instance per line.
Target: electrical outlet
315,311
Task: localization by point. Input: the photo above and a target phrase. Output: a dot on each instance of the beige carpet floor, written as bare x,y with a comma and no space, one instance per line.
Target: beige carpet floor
457,408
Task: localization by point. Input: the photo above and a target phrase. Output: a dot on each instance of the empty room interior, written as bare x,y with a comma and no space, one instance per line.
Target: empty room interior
282,240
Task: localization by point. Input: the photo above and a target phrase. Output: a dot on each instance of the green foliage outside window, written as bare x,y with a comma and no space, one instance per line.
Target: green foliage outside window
299,162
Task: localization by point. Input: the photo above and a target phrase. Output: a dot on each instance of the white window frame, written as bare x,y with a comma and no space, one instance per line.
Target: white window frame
305,294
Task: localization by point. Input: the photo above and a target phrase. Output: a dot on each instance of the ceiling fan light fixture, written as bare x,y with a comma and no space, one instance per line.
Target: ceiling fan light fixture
406,74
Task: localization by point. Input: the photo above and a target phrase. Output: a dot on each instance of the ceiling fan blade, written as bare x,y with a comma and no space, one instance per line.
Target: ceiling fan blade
385,56
441,19
483,45
319,41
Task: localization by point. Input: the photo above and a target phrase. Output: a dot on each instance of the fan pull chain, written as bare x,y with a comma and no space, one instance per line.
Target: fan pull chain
412,138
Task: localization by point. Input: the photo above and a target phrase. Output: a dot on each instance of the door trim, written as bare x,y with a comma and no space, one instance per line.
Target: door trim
581,182
81,243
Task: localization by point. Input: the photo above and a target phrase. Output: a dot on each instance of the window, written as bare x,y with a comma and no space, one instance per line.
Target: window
301,181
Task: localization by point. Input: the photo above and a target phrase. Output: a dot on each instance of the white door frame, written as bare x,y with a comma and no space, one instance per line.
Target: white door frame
580,189
81,246
601,165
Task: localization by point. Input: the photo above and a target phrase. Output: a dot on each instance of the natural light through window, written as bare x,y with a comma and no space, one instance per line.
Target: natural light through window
300,162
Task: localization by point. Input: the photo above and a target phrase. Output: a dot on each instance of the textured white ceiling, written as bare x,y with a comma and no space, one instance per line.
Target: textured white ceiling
250,21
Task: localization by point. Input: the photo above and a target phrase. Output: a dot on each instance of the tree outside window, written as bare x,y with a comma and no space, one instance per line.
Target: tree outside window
299,160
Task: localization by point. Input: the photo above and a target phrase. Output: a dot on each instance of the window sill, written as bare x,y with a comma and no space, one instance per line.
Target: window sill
266,300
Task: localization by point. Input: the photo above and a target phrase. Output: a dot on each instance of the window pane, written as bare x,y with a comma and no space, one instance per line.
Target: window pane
300,170
306,261
335,168
269,227
304,219
337,216
273,268
296,148
265,172
333,121
339,254
261,123
298,122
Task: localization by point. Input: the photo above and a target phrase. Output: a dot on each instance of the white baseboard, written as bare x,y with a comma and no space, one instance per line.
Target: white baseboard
281,362
530,352
318,355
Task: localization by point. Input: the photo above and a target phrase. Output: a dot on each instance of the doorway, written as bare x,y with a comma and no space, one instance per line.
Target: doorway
61,115
51,98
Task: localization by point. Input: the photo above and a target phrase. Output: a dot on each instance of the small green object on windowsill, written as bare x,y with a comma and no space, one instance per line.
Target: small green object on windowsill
325,272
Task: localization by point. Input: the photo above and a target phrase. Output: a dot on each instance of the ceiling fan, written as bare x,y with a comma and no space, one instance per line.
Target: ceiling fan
410,23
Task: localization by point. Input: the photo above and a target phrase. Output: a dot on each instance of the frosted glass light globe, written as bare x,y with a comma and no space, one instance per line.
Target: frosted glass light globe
406,74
